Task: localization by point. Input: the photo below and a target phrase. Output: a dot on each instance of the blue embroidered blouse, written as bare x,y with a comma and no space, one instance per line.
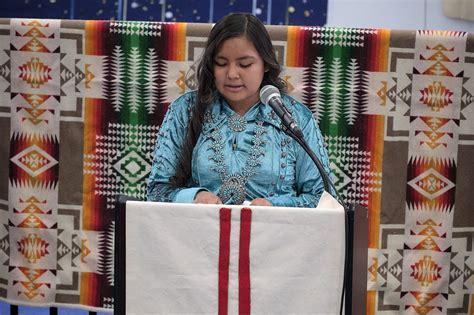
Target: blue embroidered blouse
282,172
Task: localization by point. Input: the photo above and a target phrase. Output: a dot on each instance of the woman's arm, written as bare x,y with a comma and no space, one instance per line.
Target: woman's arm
166,155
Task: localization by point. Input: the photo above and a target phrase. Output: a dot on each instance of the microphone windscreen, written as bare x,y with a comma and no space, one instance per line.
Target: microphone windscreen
267,92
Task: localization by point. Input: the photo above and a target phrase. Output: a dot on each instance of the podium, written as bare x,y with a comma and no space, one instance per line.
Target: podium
209,259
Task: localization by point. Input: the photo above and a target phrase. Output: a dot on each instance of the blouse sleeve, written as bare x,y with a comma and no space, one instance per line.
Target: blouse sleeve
165,158
309,183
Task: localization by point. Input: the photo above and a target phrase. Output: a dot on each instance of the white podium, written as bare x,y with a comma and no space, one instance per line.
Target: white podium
215,259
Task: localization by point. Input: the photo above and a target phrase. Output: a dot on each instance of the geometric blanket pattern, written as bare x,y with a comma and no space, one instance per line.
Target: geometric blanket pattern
81,103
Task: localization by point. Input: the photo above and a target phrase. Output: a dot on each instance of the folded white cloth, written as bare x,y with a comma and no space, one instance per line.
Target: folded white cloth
295,258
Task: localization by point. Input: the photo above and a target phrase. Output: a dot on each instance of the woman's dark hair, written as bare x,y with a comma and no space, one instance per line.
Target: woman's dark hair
230,26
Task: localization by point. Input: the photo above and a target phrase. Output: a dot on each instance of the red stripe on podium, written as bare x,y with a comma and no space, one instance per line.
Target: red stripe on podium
244,261
224,252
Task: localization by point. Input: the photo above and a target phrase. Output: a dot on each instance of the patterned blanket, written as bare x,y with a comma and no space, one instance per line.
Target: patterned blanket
81,103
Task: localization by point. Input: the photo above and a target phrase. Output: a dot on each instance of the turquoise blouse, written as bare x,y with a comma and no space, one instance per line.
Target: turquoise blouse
253,148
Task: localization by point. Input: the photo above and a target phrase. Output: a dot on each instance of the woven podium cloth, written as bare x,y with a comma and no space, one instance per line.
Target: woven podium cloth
81,103
200,259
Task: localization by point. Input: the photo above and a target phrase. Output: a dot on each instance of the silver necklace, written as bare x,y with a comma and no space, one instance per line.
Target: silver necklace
233,189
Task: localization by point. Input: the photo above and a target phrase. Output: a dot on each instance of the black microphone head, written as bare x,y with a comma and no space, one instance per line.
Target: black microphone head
267,93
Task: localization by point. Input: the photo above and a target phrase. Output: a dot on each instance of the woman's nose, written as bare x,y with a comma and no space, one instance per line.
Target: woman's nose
233,72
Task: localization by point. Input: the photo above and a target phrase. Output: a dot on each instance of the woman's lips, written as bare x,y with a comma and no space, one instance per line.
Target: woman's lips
234,88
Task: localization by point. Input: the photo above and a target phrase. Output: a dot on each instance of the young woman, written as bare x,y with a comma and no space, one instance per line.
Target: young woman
220,144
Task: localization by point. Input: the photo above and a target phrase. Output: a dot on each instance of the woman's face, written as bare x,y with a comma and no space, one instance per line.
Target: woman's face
238,73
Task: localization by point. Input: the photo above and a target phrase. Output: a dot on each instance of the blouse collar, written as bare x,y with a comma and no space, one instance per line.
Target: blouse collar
220,111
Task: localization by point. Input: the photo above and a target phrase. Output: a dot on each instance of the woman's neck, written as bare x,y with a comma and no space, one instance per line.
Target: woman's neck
241,110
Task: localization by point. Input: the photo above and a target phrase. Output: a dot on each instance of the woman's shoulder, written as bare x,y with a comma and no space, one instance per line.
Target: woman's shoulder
184,102
185,99
297,108
180,109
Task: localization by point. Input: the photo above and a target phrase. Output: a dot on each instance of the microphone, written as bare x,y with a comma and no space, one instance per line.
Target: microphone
270,95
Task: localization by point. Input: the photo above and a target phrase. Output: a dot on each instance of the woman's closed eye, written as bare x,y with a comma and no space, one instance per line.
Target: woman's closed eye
223,64
220,64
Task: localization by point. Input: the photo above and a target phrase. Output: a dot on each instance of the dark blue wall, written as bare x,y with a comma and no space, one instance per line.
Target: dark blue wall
286,12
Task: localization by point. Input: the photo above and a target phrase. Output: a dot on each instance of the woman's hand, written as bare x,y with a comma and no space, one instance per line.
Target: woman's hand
261,202
207,197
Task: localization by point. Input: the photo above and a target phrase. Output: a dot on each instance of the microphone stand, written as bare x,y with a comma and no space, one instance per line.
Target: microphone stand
348,218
